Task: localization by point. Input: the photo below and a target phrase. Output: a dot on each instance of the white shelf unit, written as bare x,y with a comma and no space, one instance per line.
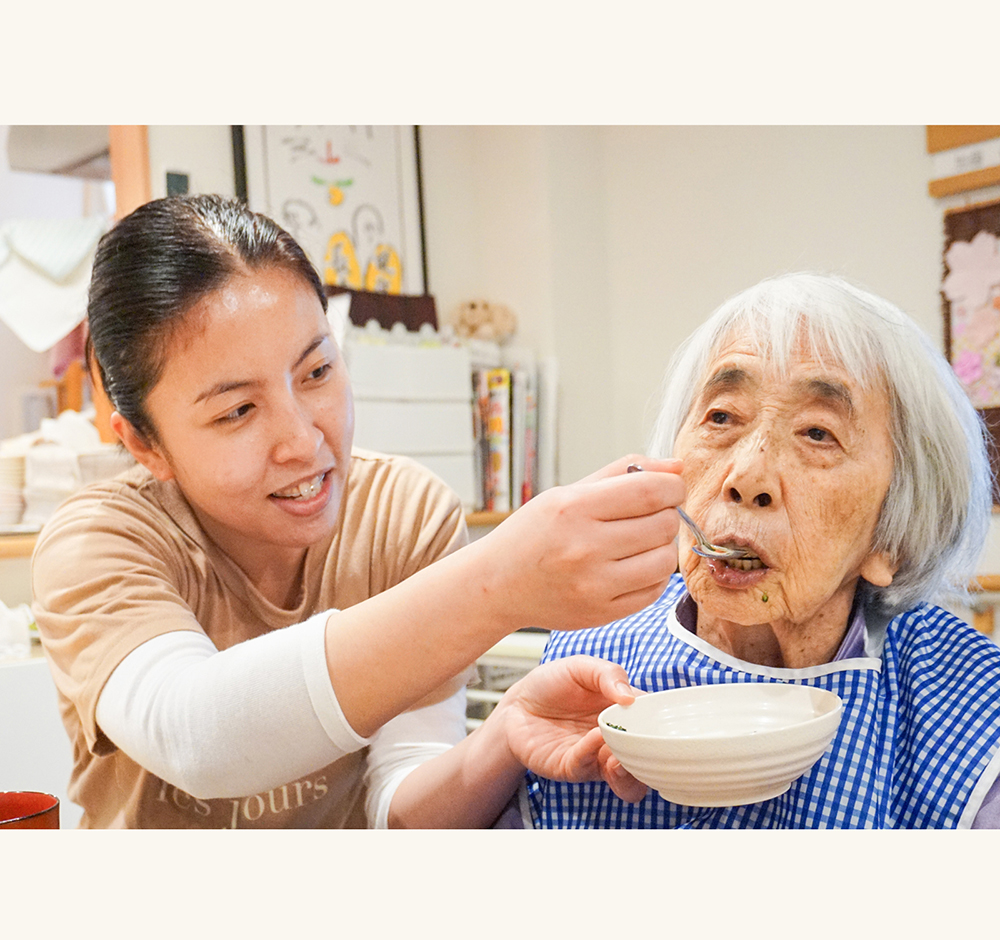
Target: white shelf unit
498,669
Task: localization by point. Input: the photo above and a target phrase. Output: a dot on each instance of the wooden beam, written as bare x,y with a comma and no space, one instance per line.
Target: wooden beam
16,546
949,136
983,620
986,582
128,146
963,182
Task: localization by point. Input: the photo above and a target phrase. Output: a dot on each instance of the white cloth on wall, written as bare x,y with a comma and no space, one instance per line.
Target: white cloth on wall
45,269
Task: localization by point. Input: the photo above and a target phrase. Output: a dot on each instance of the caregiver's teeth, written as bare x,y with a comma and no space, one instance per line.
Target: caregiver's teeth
303,490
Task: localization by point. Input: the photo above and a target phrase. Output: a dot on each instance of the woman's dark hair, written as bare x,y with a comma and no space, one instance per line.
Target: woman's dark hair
153,266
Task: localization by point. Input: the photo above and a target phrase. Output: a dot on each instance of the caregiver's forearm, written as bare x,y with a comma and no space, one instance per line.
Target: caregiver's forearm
467,787
573,557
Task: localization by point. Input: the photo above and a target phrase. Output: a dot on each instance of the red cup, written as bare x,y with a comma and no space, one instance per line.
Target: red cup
29,810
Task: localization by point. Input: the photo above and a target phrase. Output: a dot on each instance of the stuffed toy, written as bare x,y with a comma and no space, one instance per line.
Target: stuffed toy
482,319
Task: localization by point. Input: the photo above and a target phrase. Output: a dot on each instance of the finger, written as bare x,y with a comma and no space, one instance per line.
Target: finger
631,602
629,537
629,495
649,569
622,783
601,681
578,761
620,466
645,564
613,682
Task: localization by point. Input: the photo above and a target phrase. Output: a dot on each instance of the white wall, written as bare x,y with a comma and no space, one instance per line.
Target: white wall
612,243
204,152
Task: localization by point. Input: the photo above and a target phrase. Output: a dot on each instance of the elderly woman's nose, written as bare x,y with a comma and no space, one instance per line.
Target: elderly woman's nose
752,477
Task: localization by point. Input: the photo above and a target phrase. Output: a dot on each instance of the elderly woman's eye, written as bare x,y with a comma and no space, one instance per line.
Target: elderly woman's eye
718,417
818,434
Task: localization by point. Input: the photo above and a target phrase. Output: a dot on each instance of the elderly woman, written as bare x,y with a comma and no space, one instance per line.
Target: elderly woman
820,431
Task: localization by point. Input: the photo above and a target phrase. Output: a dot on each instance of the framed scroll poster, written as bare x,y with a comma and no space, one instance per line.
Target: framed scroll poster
350,195
971,295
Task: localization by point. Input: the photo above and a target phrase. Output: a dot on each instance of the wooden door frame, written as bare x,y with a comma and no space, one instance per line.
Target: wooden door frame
128,148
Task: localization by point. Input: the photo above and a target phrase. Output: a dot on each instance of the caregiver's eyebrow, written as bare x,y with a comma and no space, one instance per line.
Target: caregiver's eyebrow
222,387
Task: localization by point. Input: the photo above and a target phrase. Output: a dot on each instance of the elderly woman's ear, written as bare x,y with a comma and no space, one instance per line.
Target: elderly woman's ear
878,569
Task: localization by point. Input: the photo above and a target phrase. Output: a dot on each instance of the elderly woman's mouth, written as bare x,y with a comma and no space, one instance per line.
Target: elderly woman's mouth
738,572
751,560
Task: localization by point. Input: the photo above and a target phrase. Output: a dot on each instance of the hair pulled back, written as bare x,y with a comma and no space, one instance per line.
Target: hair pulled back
157,263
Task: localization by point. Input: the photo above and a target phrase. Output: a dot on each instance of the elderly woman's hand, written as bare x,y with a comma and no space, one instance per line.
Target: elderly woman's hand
589,553
549,720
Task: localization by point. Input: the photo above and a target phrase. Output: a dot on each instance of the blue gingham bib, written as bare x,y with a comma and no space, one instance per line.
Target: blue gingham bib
917,745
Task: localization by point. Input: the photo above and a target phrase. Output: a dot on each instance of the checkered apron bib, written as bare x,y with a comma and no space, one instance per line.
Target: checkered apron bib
919,730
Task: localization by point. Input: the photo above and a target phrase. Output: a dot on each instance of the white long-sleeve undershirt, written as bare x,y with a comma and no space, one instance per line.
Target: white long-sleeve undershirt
257,715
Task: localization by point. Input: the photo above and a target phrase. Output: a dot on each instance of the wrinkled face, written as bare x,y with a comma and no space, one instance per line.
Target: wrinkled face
254,415
793,468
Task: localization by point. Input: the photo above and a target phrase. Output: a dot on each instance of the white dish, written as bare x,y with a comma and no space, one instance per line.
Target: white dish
722,745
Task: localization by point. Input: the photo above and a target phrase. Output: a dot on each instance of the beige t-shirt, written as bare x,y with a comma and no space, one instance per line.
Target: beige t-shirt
125,560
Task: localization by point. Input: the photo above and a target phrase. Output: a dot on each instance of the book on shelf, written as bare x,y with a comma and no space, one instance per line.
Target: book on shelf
524,436
506,434
498,437
518,429
480,441
530,483
547,435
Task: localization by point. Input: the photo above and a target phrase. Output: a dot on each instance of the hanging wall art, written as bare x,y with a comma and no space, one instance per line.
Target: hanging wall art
350,195
970,293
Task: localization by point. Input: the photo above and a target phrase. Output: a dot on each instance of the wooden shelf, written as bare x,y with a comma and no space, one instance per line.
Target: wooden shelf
21,545
986,582
17,545
485,518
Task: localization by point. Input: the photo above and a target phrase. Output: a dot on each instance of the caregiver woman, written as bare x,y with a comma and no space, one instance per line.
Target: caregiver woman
231,623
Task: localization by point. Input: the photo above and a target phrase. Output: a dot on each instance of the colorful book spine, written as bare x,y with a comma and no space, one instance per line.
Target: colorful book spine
498,432
518,435
530,483
480,439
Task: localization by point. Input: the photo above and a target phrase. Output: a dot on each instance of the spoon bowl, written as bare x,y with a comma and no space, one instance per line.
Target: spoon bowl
702,546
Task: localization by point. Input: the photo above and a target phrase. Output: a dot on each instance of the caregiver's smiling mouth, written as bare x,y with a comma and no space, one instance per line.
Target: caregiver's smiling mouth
306,489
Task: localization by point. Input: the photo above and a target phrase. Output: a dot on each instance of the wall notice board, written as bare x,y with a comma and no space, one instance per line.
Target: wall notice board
350,195
970,293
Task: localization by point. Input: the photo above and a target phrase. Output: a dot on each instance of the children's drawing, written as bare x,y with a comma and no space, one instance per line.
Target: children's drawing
349,195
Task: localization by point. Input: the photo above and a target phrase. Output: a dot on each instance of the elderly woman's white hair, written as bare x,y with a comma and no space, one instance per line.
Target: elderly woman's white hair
936,515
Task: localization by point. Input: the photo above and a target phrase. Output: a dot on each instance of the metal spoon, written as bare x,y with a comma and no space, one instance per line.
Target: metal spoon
702,545
705,548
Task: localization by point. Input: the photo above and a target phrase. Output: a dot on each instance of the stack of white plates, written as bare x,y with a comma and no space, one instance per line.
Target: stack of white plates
53,472
107,461
11,488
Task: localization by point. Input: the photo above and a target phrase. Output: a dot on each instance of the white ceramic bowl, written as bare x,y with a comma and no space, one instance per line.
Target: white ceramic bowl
722,745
